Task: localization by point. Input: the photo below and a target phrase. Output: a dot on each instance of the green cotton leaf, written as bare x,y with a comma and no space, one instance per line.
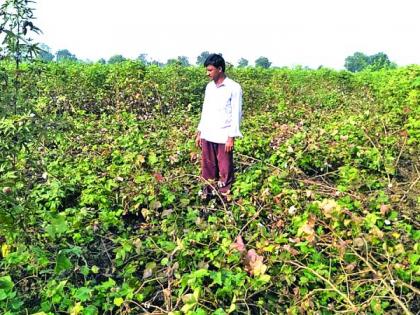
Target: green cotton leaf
106,285
264,278
62,263
376,307
216,277
200,273
370,220
83,294
199,311
90,310
152,159
219,311
84,270
76,250
58,226
187,307
118,301
3,295
416,235
6,283
190,300
413,258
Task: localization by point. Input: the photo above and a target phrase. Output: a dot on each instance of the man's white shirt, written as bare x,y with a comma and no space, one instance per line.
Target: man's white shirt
222,111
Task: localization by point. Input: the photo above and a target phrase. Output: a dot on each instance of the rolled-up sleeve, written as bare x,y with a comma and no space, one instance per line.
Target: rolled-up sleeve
236,103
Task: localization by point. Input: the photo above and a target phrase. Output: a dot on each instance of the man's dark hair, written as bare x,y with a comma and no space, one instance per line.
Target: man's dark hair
216,61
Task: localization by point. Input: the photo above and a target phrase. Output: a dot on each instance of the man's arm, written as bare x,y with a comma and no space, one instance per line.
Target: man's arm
236,103
203,109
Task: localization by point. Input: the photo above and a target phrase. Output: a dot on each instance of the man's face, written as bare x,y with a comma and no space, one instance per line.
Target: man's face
214,73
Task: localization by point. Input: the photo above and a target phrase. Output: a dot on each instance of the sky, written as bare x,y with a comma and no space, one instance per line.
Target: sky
289,33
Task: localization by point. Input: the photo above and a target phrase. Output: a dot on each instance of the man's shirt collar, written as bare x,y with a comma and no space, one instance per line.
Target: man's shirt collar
225,82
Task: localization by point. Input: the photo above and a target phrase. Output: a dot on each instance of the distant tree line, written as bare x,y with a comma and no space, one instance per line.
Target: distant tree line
354,63
46,54
359,61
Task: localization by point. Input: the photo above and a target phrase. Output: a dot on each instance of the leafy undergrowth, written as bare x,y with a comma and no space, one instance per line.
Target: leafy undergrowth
101,213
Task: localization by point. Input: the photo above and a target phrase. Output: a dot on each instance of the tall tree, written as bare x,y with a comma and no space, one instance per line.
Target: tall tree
180,60
64,55
183,61
172,61
156,63
45,53
357,62
262,62
242,63
380,60
116,59
143,58
16,25
202,57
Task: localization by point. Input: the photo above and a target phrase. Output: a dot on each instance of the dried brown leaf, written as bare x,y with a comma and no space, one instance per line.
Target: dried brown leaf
307,229
385,209
290,249
254,263
238,244
158,177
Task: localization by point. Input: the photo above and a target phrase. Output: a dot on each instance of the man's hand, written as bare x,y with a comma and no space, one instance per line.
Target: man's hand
229,144
198,140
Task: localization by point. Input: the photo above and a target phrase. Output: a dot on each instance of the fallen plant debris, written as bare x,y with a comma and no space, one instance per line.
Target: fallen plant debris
100,210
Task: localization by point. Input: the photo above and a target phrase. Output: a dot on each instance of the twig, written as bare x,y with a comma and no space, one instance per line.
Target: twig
399,155
23,279
258,160
409,188
368,301
137,304
370,140
312,182
164,251
347,278
379,276
146,282
354,308
409,286
107,254
250,220
326,174
147,305
385,131
312,293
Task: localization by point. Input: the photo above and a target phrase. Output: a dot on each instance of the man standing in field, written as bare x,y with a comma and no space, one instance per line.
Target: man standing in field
219,126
